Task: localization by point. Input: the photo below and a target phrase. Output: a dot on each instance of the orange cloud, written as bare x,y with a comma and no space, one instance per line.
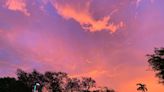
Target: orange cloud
17,5
83,16
91,73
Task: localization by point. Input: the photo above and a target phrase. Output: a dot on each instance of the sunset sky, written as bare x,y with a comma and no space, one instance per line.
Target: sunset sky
105,39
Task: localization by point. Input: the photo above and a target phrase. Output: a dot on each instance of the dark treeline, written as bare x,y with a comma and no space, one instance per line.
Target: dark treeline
49,81
61,82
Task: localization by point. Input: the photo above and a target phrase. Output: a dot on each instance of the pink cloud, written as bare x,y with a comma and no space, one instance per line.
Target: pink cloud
112,60
17,5
84,17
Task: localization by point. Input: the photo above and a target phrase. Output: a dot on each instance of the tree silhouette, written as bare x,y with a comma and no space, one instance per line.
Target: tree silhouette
87,83
59,81
49,82
106,89
73,85
156,61
30,79
55,79
12,85
103,89
141,87
23,77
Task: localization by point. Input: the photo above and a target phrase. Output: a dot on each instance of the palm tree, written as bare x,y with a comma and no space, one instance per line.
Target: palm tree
141,87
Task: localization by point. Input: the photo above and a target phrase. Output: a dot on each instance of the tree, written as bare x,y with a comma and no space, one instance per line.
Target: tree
30,79
141,87
49,81
103,89
55,79
73,85
156,61
23,77
8,84
106,89
88,83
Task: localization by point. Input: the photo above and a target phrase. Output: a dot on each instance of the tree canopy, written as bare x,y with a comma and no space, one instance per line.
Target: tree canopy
156,61
49,81
141,87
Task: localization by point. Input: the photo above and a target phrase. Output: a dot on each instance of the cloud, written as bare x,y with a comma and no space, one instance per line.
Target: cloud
139,1
93,73
81,14
17,5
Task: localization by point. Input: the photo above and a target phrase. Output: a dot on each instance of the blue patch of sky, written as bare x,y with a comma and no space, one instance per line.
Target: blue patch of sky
8,56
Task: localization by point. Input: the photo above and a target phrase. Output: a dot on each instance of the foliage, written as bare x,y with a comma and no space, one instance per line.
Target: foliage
156,61
12,85
51,81
73,84
141,87
88,83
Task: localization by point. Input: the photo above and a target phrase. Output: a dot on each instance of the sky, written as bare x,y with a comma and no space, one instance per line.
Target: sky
107,40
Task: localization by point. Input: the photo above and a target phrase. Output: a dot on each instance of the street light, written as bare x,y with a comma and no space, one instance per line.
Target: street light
36,84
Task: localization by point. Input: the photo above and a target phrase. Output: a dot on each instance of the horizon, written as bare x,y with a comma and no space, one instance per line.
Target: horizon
107,40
